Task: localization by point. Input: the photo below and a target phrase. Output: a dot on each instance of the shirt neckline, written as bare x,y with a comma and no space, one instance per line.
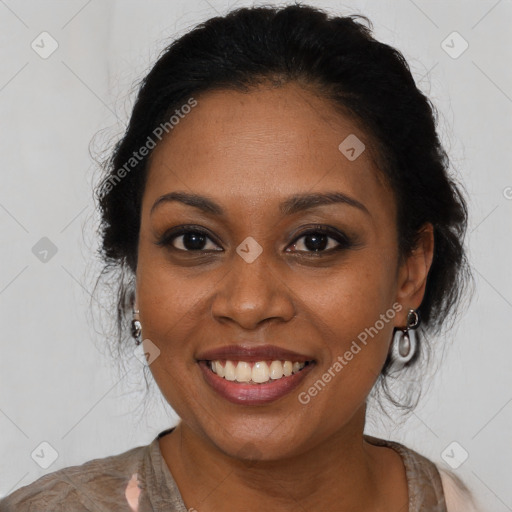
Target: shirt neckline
406,461
166,491
163,494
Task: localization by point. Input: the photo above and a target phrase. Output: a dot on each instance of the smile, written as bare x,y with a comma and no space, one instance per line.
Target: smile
259,384
258,372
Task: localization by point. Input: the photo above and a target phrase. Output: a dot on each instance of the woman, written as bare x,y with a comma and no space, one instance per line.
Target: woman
282,202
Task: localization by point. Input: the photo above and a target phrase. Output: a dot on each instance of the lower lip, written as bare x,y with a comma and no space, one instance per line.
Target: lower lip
253,394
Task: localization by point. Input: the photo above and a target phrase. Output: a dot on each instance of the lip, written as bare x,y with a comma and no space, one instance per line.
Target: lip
252,354
253,394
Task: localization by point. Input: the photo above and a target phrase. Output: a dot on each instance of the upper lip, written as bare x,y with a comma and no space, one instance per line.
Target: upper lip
252,353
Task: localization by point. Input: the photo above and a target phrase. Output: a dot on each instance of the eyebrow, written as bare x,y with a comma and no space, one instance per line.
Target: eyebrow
293,204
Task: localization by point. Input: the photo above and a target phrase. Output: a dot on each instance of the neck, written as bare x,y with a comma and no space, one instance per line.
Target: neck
338,474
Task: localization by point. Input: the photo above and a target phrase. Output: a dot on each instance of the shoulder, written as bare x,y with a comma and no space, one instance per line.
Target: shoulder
429,484
99,484
457,495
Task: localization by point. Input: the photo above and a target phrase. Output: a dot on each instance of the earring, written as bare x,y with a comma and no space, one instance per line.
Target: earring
404,344
136,327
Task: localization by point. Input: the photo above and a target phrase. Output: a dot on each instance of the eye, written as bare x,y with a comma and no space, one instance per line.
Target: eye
316,240
188,239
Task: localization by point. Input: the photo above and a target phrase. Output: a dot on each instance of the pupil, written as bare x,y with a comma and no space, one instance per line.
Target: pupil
194,241
319,242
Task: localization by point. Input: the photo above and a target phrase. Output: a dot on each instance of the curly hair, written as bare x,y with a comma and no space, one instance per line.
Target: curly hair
337,58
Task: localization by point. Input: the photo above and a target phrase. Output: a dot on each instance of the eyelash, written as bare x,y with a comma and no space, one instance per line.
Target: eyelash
343,240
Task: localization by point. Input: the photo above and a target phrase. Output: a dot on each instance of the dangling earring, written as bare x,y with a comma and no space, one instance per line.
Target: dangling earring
136,327
404,344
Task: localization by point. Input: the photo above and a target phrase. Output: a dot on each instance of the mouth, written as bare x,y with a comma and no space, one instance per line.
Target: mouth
253,375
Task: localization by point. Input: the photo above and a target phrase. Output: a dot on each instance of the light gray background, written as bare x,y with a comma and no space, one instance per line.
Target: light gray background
57,383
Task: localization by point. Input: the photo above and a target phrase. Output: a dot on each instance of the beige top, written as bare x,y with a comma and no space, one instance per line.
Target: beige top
139,480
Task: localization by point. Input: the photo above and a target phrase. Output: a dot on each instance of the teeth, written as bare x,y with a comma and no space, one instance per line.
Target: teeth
229,370
257,373
219,369
276,370
243,372
260,372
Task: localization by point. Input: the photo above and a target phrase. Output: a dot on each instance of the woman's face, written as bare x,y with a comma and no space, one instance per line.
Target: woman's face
257,287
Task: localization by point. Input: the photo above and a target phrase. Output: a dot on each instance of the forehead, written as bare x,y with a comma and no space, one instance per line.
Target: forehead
263,145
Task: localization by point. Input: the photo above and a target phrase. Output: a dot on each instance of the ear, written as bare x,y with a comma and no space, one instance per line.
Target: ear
412,274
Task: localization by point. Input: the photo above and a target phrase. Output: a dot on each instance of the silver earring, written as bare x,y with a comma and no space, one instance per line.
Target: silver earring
404,344
136,327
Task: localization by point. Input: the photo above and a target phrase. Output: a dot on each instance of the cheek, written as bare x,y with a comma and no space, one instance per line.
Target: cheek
169,308
353,315
165,291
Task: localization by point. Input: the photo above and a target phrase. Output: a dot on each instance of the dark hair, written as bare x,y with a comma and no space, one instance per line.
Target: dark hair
338,59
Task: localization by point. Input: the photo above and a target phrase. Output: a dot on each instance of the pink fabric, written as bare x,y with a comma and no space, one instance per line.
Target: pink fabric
457,496
132,493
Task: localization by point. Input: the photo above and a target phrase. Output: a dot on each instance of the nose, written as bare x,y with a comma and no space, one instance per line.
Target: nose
252,294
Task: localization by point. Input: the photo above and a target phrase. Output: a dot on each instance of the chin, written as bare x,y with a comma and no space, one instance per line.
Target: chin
258,439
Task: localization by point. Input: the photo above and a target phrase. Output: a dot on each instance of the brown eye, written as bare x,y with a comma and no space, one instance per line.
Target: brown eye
188,240
321,239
